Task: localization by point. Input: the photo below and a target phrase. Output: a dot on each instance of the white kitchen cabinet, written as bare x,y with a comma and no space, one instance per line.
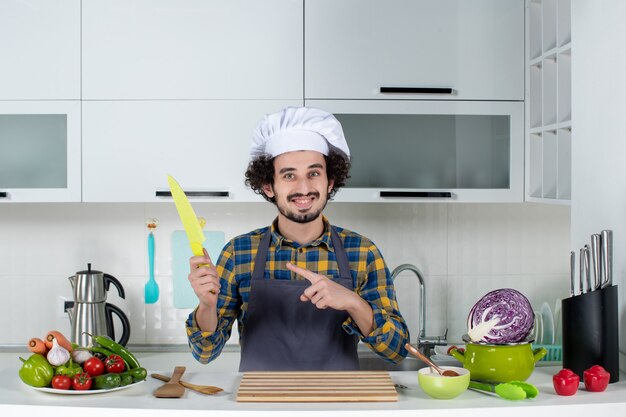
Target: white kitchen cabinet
129,148
39,49
549,102
192,49
353,48
431,151
40,146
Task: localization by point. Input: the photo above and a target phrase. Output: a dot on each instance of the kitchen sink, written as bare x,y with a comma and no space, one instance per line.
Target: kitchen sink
369,361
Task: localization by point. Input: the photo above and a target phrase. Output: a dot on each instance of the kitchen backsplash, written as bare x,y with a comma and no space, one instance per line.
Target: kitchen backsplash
464,251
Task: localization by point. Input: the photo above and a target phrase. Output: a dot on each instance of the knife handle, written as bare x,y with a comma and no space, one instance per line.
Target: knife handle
588,268
607,258
596,257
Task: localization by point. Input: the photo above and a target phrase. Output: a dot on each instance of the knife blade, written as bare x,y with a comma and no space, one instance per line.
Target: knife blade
188,217
596,257
581,271
607,258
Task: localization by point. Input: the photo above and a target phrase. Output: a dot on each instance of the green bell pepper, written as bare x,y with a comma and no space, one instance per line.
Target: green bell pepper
36,371
70,369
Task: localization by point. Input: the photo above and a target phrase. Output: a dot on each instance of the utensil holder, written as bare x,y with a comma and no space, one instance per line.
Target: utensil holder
590,331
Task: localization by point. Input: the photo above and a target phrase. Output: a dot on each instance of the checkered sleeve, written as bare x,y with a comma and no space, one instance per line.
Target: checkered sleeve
206,346
390,332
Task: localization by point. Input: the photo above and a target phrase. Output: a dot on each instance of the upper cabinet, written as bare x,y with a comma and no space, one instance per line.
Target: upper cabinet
40,50
40,151
432,151
414,49
129,148
191,49
549,102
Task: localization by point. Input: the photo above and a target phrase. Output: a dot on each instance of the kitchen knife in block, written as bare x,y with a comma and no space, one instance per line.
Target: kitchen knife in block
188,217
172,389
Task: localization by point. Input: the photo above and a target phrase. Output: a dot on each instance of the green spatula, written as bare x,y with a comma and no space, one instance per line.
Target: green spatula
512,390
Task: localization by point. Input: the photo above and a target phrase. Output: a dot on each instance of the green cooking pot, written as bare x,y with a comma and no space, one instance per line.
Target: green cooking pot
499,363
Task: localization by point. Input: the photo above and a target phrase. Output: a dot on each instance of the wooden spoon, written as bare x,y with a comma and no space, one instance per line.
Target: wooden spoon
413,351
172,389
204,389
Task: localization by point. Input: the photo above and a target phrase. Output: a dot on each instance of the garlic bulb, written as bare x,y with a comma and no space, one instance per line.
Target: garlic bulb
81,355
58,355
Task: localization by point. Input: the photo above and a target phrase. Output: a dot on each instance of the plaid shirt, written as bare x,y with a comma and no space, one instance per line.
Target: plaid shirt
370,277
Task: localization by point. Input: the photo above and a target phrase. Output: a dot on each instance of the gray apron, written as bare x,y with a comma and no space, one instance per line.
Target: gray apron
282,333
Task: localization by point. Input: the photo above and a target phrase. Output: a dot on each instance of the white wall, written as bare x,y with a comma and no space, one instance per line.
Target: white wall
599,132
464,250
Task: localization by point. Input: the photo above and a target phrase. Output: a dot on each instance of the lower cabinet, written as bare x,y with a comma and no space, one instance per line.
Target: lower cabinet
129,148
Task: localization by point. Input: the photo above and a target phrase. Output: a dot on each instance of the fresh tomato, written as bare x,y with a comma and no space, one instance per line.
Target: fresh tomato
61,382
114,364
82,381
93,366
565,382
596,378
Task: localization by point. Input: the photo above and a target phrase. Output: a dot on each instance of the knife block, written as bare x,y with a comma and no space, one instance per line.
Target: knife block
590,332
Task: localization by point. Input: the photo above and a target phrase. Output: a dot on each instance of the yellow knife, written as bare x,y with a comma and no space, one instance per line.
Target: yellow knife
188,217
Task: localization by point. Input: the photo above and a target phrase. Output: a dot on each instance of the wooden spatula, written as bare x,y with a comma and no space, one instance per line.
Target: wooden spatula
204,389
172,389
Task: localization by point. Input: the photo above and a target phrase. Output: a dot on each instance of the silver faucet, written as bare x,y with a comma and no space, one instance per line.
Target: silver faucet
423,341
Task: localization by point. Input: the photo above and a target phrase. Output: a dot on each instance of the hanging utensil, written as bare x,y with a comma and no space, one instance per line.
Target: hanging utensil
151,290
607,258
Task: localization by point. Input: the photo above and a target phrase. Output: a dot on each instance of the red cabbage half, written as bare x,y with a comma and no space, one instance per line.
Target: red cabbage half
501,316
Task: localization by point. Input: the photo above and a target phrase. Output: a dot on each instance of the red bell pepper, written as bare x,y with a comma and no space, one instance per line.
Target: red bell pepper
596,378
565,382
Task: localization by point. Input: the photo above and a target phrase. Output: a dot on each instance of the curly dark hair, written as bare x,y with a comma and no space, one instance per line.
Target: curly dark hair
261,172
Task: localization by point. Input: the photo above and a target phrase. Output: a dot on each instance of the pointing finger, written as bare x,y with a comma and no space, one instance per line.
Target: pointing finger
311,276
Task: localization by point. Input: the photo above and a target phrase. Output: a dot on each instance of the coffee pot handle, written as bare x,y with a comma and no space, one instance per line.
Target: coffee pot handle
111,309
110,279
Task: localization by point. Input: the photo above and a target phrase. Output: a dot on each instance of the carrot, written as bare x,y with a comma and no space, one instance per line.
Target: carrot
61,340
36,345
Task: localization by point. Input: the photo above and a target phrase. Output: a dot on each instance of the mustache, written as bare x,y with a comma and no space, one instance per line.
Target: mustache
314,194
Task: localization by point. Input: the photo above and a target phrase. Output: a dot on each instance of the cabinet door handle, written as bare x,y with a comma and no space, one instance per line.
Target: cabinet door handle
416,194
196,193
416,90
4,194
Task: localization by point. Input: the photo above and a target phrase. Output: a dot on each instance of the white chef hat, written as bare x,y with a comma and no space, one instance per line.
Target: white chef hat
298,129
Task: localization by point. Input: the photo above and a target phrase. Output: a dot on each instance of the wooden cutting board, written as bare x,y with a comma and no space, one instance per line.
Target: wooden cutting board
322,386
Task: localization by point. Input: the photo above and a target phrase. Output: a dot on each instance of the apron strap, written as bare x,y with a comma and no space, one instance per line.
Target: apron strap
261,256
340,254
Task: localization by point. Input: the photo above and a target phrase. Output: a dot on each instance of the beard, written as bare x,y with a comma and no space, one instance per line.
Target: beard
302,217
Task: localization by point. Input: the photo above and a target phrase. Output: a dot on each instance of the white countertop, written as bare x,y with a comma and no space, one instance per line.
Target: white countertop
17,399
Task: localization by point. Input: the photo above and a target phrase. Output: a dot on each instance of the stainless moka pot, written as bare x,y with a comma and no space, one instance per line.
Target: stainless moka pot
89,312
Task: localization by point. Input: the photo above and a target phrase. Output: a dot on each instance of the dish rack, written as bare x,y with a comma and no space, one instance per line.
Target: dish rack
555,353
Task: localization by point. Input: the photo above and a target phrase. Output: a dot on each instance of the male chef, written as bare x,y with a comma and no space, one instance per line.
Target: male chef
303,291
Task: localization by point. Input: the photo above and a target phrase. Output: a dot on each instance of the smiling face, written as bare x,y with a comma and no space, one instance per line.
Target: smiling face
301,185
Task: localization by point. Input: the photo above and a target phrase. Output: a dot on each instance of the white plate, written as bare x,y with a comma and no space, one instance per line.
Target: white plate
548,324
538,328
86,392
